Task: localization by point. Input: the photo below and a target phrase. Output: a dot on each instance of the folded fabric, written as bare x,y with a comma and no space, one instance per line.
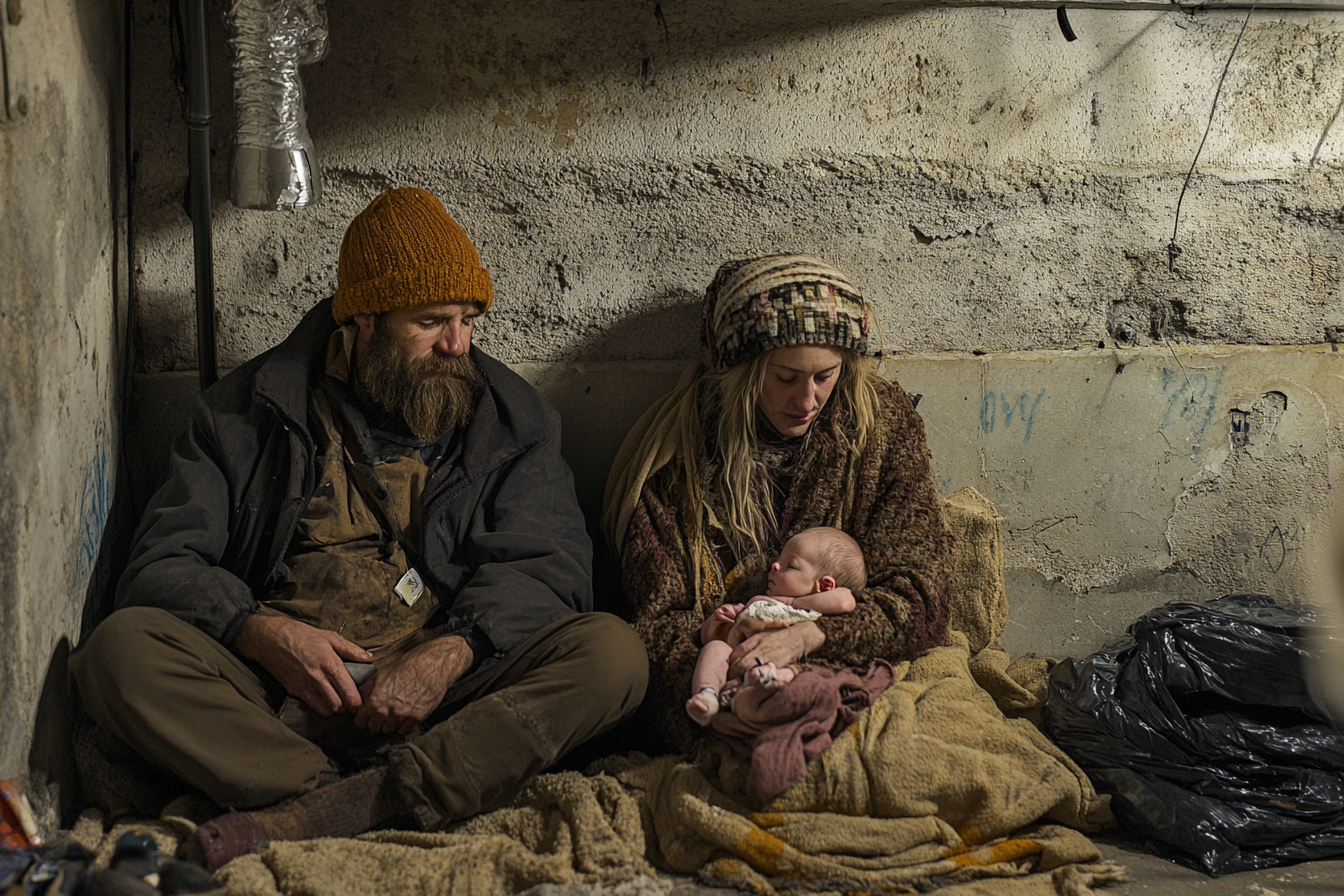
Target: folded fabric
796,722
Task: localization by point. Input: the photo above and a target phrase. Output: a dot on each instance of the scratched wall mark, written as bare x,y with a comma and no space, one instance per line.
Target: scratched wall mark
1274,547
999,410
1191,400
95,503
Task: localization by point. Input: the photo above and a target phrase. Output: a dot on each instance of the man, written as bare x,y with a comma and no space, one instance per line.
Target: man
373,490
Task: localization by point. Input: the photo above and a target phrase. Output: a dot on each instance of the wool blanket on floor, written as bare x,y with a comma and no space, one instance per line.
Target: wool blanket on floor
931,786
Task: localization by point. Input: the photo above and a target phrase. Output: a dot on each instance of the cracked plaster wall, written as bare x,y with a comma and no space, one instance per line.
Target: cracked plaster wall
992,187
1128,476
63,319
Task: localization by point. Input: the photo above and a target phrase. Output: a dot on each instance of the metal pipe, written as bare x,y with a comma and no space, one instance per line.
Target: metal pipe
273,165
197,116
1156,5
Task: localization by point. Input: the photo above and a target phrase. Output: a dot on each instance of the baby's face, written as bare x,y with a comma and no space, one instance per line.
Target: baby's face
794,574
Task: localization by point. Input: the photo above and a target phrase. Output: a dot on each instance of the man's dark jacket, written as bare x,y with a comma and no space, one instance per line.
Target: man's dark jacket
503,538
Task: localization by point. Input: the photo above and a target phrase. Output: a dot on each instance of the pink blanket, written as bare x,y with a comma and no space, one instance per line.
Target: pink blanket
780,730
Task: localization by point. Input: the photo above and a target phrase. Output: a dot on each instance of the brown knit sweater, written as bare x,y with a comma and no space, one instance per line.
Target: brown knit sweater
895,516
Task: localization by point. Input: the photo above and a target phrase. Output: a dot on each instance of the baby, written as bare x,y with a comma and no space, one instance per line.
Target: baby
817,572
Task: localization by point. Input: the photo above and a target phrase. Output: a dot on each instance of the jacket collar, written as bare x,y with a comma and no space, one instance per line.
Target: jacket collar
290,369
509,417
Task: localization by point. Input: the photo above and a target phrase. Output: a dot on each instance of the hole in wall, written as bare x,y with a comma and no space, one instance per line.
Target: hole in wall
1240,430
1252,425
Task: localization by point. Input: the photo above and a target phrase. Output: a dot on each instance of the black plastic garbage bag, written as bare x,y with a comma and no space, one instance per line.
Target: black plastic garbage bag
1200,725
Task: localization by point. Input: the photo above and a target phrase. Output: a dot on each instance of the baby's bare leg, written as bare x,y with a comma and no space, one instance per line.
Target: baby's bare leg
711,671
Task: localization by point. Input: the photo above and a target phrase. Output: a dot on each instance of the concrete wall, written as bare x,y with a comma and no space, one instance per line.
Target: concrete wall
993,188
63,319
1129,477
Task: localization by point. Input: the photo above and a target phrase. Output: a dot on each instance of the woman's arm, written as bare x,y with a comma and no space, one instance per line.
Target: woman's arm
897,518
758,641
656,570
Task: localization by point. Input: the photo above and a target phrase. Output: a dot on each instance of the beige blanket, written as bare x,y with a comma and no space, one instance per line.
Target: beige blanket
933,786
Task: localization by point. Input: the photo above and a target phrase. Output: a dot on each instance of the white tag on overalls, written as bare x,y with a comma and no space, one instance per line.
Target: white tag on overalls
410,587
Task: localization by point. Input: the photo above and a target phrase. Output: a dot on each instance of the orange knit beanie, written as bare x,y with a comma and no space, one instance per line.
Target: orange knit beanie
405,250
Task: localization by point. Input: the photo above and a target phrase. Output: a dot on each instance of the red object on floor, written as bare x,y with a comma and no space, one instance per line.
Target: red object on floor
18,829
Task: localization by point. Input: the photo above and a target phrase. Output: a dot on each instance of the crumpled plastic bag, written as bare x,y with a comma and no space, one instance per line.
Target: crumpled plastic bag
1200,724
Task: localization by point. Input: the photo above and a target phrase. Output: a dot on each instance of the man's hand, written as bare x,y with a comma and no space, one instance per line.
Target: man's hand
404,692
307,661
780,646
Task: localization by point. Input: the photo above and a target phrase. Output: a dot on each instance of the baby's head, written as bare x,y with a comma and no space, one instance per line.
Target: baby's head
815,560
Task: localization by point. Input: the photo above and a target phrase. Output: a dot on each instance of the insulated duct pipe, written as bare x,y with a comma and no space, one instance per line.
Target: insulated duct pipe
273,165
197,115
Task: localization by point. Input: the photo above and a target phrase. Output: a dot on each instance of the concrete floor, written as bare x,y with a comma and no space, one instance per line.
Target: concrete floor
1151,875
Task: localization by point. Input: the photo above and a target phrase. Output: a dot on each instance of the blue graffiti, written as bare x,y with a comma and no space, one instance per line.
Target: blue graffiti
999,410
95,503
1192,400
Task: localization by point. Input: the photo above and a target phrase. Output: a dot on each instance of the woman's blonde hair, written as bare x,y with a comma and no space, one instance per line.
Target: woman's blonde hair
738,477
752,307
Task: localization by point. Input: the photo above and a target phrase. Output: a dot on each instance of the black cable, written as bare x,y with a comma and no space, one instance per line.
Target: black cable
1173,248
177,43
1062,16
129,345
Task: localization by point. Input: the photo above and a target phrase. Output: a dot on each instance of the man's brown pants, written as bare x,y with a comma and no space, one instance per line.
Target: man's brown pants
189,705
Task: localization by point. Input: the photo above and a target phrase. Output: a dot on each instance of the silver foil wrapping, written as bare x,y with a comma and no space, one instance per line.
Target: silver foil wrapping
273,165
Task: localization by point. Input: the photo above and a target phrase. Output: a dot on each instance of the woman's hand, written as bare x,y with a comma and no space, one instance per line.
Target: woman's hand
781,646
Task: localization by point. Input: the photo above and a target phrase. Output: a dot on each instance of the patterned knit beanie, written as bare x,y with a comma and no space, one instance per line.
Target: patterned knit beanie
758,304
405,250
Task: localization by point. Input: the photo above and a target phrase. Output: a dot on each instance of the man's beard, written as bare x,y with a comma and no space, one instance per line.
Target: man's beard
433,394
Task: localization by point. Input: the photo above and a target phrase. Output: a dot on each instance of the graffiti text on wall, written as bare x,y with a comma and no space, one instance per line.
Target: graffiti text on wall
1191,400
999,411
95,502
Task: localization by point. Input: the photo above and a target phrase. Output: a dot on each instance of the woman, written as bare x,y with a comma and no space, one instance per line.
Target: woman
784,426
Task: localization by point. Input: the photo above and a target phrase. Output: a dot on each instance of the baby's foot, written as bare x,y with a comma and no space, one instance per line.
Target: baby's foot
703,705
768,675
